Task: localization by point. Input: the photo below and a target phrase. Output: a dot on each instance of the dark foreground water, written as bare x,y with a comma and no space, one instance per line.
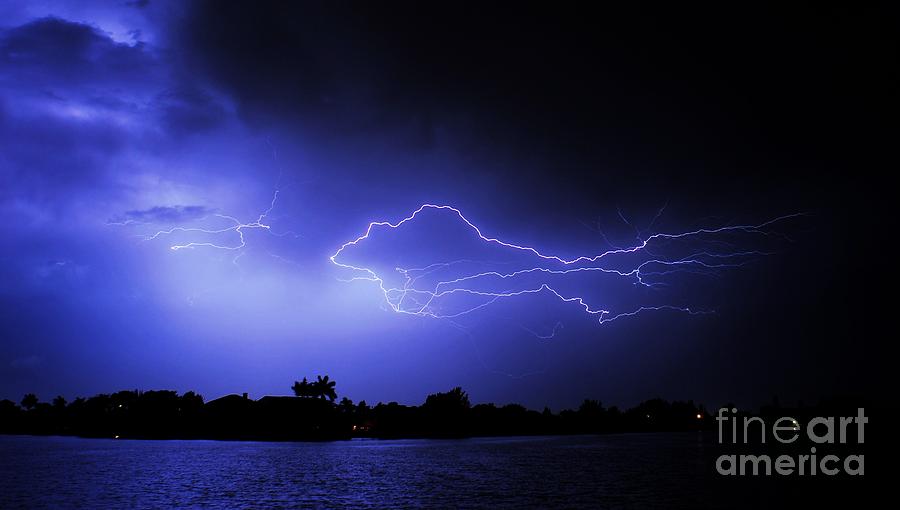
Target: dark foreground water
615,471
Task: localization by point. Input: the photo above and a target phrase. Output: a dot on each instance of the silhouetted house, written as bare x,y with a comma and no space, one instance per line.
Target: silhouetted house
230,417
230,402
300,418
275,418
280,416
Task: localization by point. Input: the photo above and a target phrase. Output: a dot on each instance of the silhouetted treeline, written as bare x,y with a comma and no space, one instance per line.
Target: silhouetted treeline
167,415
315,414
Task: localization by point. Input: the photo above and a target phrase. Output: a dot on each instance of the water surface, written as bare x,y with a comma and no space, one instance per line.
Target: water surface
613,471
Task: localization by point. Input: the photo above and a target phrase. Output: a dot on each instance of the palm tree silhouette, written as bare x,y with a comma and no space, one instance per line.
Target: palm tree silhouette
322,387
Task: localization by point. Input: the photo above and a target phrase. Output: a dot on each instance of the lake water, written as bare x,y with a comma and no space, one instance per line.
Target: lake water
613,471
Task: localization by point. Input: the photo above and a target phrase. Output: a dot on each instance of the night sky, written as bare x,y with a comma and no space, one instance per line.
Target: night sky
569,128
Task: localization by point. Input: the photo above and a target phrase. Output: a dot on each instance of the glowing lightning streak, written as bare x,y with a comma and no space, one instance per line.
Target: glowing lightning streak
238,227
395,296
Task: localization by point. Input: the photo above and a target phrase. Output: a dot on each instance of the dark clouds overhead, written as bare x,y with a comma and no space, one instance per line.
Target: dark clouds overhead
74,102
613,98
52,52
188,110
720,78
169,214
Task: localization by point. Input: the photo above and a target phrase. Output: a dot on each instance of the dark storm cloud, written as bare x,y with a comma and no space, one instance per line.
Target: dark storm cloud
671,86
189,110
55,52
275,61
168,214
72,100
614,104
361,61
62,83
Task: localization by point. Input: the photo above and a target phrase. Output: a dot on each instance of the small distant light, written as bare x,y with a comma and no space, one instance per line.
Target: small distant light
115,437
120,405
648,416
699,416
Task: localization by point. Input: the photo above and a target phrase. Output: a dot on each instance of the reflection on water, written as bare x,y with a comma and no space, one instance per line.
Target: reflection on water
630,470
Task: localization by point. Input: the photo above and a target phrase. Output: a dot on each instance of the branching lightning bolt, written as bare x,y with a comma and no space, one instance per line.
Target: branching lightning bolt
414,300
235,226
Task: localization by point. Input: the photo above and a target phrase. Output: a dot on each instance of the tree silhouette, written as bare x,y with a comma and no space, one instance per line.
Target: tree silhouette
322,387
302,388
325,388
320,415
453,400
29,401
